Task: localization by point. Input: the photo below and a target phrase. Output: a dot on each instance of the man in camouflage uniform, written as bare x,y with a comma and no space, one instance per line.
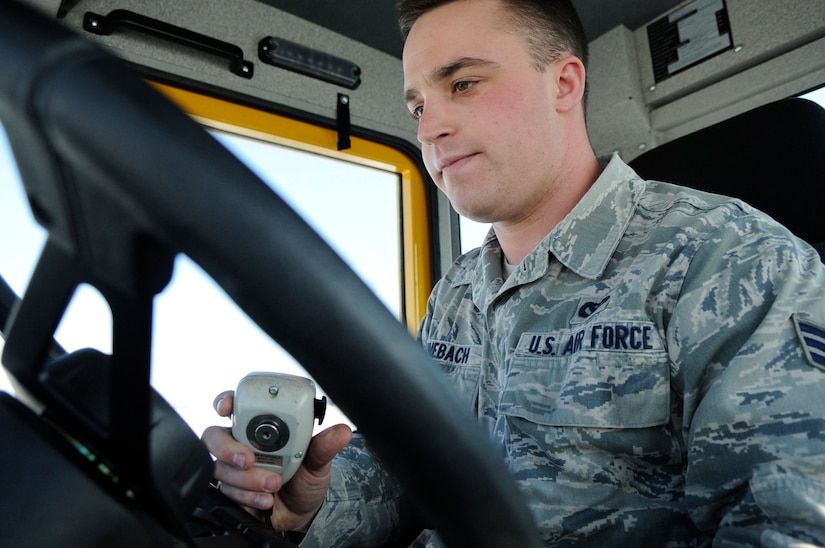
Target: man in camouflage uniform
649,358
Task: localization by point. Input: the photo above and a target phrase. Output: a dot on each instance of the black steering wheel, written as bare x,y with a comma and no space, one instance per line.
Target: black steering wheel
123,180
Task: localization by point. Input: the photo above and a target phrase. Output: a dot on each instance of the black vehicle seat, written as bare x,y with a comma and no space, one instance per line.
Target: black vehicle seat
772,157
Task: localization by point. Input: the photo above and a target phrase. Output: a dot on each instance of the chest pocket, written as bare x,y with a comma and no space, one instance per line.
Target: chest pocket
589,389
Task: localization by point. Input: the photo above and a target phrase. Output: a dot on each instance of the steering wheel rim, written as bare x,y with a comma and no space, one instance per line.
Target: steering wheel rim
144,171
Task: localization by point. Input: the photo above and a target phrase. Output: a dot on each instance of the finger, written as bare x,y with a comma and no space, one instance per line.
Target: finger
226,449
255,479
247,498
223,403
325,445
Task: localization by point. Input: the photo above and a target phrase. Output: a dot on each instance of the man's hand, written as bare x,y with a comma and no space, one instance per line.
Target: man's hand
293,505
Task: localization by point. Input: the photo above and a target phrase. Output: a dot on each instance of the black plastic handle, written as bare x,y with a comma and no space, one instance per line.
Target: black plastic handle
108,24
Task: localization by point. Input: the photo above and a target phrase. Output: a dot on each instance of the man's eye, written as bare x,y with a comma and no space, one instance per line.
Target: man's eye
464,85
417,112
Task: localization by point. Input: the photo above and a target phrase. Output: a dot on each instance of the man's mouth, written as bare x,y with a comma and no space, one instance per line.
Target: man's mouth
452,163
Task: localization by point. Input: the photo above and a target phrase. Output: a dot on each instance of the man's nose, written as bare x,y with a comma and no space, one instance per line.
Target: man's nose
434,123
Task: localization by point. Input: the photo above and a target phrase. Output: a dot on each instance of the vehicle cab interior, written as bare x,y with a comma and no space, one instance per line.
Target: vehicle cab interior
207,188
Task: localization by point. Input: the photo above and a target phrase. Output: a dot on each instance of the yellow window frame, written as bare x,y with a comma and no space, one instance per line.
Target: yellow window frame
244,120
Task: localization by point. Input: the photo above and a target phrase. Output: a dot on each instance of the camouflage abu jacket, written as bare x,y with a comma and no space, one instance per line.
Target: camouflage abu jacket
654,373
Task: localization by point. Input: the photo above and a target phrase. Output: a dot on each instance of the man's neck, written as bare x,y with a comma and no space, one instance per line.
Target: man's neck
517,239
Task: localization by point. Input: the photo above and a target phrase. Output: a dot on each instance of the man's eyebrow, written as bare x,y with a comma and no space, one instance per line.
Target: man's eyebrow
446,71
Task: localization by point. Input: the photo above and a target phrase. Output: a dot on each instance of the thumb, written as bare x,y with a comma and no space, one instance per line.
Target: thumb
324,446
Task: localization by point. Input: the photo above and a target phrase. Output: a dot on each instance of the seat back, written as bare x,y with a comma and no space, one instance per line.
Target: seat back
772,157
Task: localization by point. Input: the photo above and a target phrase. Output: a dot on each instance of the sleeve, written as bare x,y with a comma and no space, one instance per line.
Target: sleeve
748,338
364,504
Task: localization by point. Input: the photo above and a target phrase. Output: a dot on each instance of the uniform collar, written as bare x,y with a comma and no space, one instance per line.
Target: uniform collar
584,241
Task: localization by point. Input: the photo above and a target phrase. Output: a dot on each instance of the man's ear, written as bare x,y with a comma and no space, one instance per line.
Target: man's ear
570,79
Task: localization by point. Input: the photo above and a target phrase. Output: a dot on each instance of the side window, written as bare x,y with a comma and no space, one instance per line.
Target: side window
203,343
817,96
472,233
354,208
202,337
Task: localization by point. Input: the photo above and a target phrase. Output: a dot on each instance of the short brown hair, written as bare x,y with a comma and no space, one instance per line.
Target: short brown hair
551,28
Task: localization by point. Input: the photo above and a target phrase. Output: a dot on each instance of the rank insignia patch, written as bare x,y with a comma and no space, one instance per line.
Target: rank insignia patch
812,337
